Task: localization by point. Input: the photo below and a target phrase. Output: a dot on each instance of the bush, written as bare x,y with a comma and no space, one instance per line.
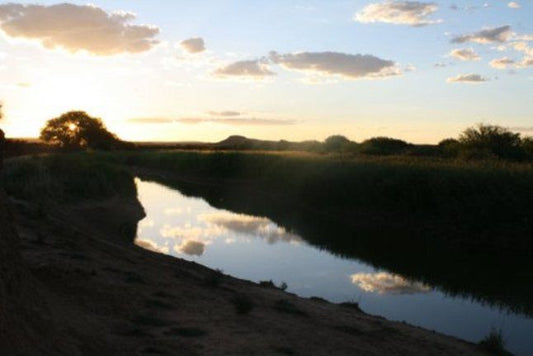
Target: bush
336,143
488,141
383,146
494,343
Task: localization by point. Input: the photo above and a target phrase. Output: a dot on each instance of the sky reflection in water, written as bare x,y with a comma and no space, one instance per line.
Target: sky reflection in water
257,249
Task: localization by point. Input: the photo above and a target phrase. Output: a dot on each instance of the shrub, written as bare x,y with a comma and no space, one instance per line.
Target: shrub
494,343
487,141
383,146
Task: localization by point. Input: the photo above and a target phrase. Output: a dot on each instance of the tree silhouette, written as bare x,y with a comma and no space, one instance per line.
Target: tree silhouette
2,141
485,141
336,143
76,129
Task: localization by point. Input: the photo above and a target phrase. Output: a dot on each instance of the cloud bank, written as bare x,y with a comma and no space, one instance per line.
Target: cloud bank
489,35
412,13
193,45
77,28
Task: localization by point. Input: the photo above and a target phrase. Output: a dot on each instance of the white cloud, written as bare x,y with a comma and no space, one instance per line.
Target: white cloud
411,13
387,283
465,54
467,78
496,34
193,45
347,66
77,28
501,63
257,69
514,5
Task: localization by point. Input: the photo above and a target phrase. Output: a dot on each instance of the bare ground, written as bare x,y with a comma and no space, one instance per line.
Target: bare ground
73,283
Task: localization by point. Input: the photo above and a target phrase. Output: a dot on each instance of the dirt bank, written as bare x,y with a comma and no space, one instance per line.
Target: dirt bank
75,284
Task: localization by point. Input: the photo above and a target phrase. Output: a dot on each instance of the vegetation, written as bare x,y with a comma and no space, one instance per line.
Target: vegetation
75,130
494,343
66,178
243,304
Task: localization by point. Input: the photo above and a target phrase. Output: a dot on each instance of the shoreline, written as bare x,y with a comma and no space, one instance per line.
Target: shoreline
132,301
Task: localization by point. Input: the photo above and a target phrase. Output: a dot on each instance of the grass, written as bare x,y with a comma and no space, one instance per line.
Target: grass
284,306
494,343
243,304
65,178
186,332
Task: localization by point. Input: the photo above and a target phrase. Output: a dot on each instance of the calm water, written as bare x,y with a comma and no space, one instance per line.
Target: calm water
257,249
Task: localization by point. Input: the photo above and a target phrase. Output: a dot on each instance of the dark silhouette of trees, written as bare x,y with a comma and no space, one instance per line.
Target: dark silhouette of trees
2,141
491,141
336,143
383,146
77,130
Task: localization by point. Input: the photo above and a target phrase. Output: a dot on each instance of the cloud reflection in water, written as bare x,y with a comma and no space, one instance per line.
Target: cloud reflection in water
387,283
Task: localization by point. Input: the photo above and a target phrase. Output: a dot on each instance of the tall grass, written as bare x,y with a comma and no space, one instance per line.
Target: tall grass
480,197
65,178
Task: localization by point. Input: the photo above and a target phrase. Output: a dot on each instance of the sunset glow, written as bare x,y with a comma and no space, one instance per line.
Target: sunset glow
201,71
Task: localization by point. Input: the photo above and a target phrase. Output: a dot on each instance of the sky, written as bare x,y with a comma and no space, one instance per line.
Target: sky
203,70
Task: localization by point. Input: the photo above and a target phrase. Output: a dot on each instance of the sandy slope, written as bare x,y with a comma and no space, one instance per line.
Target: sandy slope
79,286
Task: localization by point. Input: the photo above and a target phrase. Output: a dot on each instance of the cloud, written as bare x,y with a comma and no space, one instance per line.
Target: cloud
489,35
467,78
77,28
501,63
249,225
514,5
525,62
348,66
240,121
151,246
256,69
411,13
465,54
224,113
193,45
386,283
440,65
190,247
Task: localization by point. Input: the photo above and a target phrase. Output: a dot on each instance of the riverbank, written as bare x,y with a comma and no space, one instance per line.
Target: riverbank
116,298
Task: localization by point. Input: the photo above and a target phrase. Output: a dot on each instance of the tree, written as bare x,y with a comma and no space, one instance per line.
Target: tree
76,129
383,146
336,143
485,141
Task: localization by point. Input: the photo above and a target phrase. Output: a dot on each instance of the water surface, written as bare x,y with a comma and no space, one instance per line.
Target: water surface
257,249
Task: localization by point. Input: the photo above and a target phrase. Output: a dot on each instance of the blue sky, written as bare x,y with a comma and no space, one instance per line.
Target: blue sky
307,91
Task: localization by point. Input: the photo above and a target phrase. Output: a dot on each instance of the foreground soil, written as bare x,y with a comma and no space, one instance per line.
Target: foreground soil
73,283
